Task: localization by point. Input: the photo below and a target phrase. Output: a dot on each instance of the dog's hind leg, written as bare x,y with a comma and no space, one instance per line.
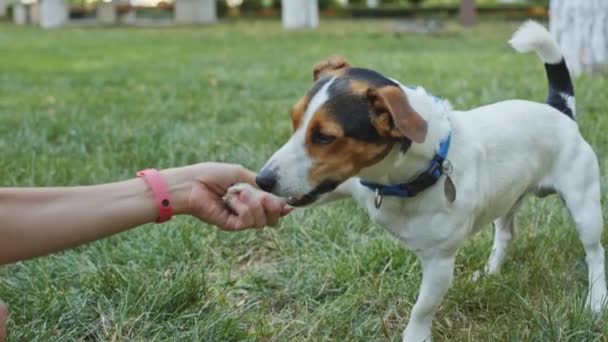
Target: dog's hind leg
579,185
504,232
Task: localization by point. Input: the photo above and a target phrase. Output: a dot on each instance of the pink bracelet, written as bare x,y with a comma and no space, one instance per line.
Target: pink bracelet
161,193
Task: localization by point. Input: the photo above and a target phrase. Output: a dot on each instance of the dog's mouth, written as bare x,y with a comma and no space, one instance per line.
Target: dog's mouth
301,201
311,197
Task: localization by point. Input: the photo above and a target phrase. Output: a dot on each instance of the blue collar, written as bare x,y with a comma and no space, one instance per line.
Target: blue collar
426,179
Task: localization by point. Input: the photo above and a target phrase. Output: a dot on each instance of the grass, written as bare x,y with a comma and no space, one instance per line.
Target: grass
82,106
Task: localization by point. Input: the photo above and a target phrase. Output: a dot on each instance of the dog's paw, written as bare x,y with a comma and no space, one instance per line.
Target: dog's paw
251,192
414,334
597,303
236,190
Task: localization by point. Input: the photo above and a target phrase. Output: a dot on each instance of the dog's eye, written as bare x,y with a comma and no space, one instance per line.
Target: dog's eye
322,139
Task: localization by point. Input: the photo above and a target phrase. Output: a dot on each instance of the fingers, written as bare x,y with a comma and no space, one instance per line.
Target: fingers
218,177
256,209
248,212
272,210
252,208
245,175
286,209
242,217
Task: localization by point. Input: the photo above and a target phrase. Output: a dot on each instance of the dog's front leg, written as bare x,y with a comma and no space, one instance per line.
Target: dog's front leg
437,274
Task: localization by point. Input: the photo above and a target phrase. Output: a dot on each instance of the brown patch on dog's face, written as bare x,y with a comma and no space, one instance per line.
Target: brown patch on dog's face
336,156
344,159
297,113
359,87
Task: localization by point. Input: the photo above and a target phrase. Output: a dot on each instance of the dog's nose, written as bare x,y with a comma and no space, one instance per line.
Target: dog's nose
266,180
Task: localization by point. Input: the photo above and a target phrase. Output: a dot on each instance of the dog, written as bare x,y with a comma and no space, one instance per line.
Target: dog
433,175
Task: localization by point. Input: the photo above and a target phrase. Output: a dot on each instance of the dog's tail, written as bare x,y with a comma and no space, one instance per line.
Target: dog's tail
532,36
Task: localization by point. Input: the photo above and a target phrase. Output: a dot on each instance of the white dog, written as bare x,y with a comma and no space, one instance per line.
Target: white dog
433,175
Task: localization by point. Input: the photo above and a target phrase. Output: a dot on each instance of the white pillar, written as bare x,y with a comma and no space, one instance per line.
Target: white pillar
33,10
2,8
195,11
19,13
372,3
106,12
300,13
53,13
581,29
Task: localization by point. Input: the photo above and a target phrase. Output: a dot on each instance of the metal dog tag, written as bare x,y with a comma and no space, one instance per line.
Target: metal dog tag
449,189
377,199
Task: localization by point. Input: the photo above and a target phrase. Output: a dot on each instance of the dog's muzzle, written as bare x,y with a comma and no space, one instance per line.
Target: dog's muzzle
266,180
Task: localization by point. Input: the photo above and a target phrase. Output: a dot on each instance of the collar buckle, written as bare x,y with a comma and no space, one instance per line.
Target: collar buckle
447,167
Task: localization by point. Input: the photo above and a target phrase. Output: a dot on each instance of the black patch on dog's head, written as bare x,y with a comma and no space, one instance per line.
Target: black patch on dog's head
317,86
353,110
373,78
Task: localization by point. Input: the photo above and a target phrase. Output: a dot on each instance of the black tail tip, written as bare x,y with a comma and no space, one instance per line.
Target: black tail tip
561,90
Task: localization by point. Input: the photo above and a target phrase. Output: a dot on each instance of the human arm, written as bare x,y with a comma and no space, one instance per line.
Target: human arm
38,221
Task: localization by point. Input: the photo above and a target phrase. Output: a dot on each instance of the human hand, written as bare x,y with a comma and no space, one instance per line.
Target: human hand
199,189
3,319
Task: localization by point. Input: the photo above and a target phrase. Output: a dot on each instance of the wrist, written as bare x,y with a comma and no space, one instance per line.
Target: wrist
180,184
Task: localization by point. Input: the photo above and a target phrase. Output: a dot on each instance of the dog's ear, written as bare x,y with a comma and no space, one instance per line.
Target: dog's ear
328,67
394,116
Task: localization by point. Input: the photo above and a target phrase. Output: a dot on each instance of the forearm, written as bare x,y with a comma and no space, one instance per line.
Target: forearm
38,221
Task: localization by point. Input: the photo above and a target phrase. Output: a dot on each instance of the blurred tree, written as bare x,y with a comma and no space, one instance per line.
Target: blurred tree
415,3
300,13
324,4
252,5
467,13
581,29
539,2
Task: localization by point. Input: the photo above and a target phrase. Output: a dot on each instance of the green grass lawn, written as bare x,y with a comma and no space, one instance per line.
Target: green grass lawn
82,106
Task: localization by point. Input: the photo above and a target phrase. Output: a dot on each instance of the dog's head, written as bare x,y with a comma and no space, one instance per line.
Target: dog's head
349,120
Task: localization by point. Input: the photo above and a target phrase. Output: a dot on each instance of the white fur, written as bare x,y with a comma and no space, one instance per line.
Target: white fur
570,102
500,153
532,36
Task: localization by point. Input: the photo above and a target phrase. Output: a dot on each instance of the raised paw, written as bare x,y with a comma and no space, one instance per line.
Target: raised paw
273,206
236,190
250,191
